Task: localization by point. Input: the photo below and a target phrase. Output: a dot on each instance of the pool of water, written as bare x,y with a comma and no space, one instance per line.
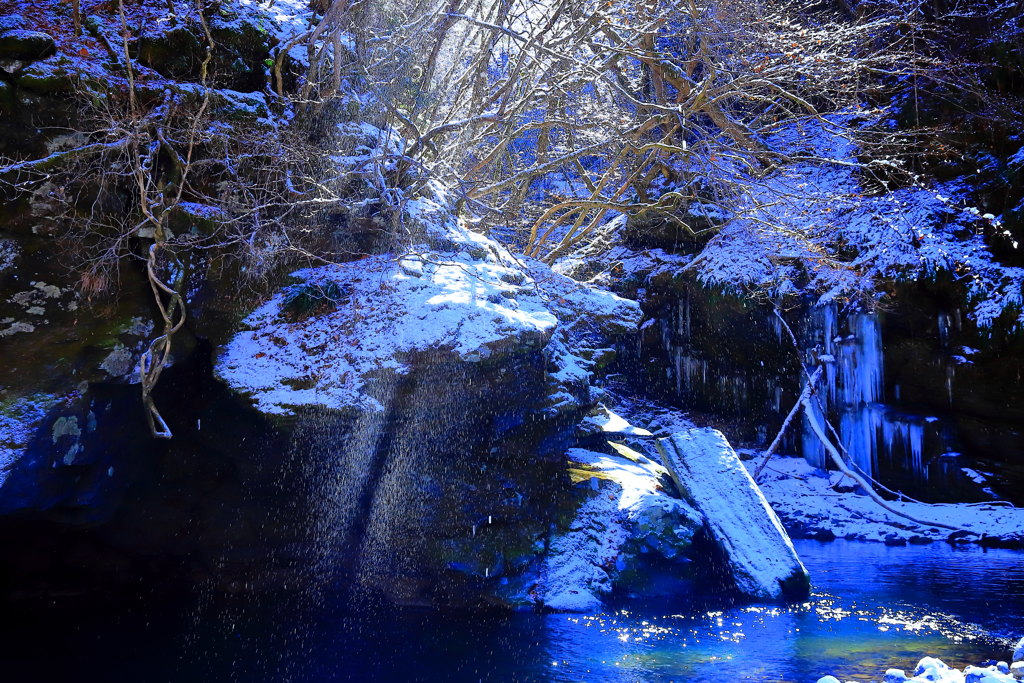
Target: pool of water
872,607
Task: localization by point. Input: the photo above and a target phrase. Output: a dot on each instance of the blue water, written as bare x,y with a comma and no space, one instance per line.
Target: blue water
872,607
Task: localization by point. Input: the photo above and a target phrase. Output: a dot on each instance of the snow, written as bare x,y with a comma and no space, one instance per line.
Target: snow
811,212
9,252
19,420
1017,159
607,421
804,498
468,296
813,228
582,563
290,17
710,475
390,309
932,670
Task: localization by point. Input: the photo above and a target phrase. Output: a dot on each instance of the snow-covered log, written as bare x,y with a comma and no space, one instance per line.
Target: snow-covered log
711,477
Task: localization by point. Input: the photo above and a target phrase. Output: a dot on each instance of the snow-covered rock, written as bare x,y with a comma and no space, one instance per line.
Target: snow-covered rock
711,476
603,421
325,339
452,375
627,513
932,670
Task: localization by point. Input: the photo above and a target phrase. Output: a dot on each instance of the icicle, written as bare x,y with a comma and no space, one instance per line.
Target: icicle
915,444
859,430
678,359
944,329
853,383
813,450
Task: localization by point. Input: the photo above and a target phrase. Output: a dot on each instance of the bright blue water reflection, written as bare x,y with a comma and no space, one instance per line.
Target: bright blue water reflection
872,607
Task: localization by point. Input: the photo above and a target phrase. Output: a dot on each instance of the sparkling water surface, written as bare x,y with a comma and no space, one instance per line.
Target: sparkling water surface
872,607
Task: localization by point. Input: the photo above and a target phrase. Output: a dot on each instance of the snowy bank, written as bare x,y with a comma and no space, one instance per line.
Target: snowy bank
809,504
814,503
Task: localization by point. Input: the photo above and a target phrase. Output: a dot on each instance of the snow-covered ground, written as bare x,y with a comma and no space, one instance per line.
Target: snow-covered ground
807,503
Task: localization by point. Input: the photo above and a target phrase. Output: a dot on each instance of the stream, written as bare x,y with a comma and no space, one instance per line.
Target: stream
872,607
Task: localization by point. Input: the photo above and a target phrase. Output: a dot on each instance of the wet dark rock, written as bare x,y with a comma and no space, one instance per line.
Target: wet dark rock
177,52
960,537
174,52
1012,541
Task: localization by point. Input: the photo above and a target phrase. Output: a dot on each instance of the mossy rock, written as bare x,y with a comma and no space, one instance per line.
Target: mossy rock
191,218
173,53
47,79
243,49
26,46
240,50
311,299
236,106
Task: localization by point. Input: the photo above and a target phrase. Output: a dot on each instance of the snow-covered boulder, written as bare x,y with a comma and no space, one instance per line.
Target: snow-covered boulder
329,337
711,476
442,384
627,514
932,670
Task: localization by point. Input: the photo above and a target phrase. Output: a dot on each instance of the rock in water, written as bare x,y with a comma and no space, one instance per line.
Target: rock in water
711,477
1018,650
